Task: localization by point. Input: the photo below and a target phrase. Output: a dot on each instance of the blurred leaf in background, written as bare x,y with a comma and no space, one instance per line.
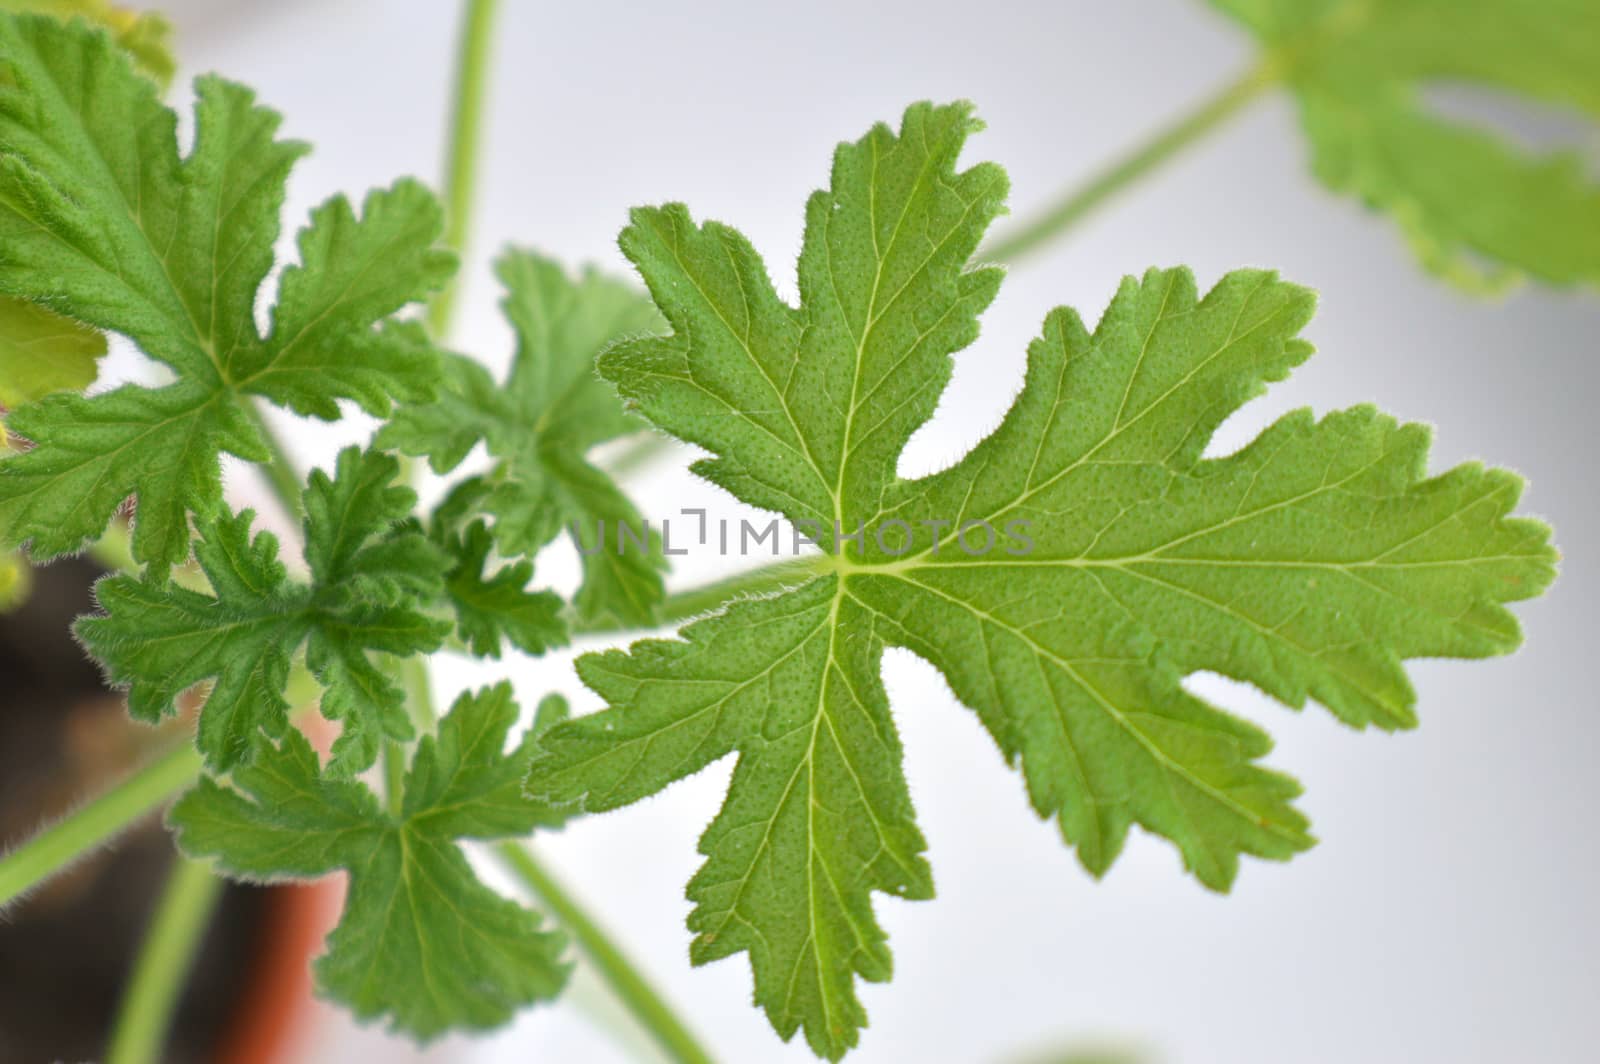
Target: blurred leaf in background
1478,209
42,352
13,581
540,426
144,35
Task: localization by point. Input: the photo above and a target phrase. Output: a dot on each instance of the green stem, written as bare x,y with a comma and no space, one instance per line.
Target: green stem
1080,200
682,605
466,128
640,452
161,970
460,182
625,980
282,474
419,693
394,775
56,847
413,676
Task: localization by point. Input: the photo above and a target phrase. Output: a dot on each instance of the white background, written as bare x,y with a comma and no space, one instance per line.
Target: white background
1449,915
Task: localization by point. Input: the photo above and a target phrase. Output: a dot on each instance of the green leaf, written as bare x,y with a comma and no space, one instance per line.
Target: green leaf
42,353
492,605
542,423
144,35
1477,208
1311,563
421,941
371,579
102,221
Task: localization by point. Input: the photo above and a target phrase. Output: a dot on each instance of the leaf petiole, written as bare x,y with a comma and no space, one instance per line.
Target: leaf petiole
282,475
619,973
682,605
102,819
413,676
1081,200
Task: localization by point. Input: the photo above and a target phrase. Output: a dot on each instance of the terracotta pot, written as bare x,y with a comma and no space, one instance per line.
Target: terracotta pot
276,1019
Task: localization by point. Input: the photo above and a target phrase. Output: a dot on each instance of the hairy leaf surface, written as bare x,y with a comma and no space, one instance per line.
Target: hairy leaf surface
372,579
102,221
422,941
1465,196
1116,561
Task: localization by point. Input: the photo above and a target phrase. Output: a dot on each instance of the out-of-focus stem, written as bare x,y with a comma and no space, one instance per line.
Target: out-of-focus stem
161,970
1081,200
466,134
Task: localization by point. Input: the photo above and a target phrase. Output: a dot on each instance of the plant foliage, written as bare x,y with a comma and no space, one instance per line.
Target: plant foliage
1464,196
1311,564
1113,557
171,251
371,581
421,940
540,426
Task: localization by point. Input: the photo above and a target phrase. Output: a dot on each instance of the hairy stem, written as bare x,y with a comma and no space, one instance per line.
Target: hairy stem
1080,200
466,128
282,473
102,819
161,970
614,967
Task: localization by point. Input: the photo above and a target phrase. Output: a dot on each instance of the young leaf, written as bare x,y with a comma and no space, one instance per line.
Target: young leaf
369,585
103,222
491,605
1462,194
1065,576
421,940
540,425
42,353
